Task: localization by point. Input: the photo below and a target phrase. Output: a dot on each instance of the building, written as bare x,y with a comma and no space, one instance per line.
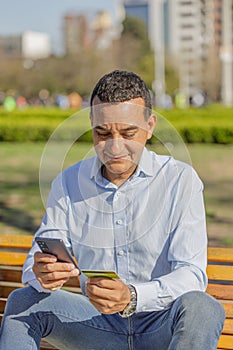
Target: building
11,46
35,45
190,35
29,45
226,53
76,36
138,9
102,30
81,32
198,36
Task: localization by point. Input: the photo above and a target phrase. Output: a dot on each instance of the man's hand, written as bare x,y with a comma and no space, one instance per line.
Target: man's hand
108,295
50,273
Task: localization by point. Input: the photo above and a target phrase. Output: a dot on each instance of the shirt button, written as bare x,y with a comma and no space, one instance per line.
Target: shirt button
121,252
119,222
143,308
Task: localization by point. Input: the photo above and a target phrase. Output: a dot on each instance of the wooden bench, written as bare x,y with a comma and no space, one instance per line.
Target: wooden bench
13,252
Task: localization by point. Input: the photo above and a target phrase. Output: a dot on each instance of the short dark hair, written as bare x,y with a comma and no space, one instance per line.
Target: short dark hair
120,86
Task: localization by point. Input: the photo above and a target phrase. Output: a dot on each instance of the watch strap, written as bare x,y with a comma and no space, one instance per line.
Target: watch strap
131,307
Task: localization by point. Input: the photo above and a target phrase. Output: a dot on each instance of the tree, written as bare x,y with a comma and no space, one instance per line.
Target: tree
135,28
81,71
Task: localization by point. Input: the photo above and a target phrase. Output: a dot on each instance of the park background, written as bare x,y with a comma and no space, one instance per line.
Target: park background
47,80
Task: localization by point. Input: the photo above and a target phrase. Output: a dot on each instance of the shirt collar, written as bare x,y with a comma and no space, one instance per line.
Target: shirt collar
96,167
145,166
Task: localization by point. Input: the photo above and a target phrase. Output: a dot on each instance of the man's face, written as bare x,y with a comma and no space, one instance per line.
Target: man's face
120,132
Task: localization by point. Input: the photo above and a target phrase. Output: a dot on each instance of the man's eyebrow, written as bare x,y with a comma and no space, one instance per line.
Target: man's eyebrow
101,127
131,127
128,128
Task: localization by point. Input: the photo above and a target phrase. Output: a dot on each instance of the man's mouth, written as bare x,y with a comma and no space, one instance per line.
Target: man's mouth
116,158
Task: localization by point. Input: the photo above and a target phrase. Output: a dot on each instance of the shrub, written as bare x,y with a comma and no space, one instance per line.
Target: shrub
208,125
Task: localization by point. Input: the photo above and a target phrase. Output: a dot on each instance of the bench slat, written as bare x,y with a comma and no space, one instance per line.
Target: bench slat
228,309
219,291
14,249
228,327
12,258
22,241
225,342
16,241
2,304
7,287
13,274
220,254
25,242
220,272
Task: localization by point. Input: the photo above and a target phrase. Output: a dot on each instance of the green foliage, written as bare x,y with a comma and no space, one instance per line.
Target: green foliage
171,77
38,124
80,72
136,28
212,124
145,68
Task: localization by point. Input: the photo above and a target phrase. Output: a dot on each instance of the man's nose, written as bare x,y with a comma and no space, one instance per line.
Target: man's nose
115,144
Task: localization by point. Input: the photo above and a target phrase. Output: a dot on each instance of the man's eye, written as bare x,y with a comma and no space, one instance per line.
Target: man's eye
100,134
129,135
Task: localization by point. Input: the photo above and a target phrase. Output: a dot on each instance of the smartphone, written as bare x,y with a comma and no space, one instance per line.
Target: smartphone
55,246
100,273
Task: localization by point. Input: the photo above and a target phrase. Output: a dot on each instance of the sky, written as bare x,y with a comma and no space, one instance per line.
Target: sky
17,16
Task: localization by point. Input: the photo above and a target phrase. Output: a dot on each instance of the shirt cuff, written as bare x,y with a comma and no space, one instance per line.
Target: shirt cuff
36,285
149,298
147,295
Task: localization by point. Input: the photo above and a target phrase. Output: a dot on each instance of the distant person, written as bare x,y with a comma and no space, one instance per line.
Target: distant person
132,211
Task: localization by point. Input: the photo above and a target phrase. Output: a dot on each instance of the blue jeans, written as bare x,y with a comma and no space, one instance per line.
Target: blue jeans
70,322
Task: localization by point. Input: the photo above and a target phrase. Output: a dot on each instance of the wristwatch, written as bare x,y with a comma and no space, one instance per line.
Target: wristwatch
131,307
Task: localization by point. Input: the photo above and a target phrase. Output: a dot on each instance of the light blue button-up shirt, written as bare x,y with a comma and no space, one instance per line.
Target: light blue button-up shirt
151,230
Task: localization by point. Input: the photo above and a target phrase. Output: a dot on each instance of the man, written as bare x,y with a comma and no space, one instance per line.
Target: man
128,210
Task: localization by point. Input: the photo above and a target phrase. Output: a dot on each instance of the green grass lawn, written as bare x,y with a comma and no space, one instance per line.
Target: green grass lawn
21,207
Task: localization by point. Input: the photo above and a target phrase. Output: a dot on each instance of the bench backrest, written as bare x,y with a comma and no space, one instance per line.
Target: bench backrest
220,286
14,249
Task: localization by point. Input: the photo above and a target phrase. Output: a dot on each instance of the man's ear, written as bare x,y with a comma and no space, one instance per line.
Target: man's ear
151,125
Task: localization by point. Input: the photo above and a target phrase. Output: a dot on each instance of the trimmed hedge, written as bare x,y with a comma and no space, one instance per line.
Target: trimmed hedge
38,124
213,124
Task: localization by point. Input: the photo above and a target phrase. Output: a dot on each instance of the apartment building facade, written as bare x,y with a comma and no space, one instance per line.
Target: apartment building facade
200,40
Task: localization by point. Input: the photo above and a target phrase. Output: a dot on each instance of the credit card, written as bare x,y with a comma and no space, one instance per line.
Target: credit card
100,273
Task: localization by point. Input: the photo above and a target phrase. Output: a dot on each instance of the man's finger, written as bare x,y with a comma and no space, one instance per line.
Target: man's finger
51,267
103,282
52,285
58,275
42,257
